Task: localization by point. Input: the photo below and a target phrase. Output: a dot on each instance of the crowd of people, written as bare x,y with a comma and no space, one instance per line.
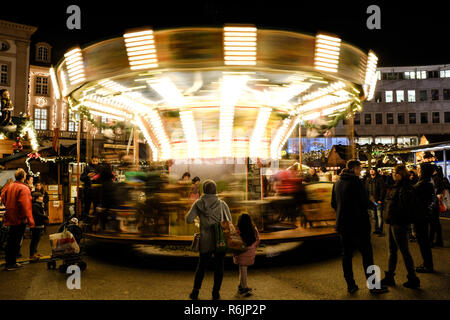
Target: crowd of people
410,201
25,204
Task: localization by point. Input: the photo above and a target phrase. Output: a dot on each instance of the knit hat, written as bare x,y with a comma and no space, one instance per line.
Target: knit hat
209,187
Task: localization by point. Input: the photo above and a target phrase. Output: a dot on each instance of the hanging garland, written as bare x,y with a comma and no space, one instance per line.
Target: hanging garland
76,106
24,128
37,156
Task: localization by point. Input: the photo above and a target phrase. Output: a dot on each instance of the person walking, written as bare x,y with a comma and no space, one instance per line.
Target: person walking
376,192
424,192
250,236
399,215
89,175
349,199
40,220
210,210
17,200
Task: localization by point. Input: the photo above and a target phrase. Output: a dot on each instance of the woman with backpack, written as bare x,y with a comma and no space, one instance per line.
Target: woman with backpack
250,236
399,215
210,210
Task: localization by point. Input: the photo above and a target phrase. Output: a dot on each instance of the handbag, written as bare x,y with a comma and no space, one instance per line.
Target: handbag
195,246
234,239
220,239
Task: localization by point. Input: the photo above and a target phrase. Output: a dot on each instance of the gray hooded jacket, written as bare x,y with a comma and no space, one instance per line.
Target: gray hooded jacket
210,209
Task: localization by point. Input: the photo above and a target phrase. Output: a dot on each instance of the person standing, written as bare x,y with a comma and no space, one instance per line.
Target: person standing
195,189
210,210
90,174
17,200
376,192
29,182
440,186
39,187
424,192
349,199
250,236
40,220
399,215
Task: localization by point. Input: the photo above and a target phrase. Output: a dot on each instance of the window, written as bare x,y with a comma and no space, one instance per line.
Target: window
385,140
434,94
390,118
43,53
378,96
357,119
401,118
423,117
433,74
4,74
412,118
4,46
446,94
445,73
410,75
400,95
41,86
367,118
412,141
411,95
423,95
378,73
436,117
389,96
379,118
40,119
447,117
73,125
421,74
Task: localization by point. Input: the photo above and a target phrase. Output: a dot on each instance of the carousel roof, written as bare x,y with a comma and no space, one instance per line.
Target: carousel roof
213,92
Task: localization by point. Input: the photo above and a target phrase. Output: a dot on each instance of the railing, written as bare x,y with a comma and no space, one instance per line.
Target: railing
73,135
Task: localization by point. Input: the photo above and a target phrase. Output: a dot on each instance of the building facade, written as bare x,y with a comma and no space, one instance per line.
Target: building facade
409,102
14,62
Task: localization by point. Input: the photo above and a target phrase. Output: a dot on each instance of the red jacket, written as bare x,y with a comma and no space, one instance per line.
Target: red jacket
17,200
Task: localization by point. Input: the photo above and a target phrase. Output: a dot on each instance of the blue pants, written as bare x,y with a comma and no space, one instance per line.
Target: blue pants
378,218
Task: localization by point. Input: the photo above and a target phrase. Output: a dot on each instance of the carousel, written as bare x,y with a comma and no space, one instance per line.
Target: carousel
219,103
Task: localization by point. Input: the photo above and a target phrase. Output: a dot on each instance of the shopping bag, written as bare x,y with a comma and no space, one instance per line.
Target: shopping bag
442,207
63,243
195,246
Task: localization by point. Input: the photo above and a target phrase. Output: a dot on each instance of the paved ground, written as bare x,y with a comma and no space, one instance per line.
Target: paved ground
311,271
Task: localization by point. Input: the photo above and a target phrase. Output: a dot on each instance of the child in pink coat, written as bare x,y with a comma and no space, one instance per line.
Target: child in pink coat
250,236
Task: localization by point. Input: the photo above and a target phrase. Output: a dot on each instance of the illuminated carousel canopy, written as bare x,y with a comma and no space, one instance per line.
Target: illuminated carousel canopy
225,92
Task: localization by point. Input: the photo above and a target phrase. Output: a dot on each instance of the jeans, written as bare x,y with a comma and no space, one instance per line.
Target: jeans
424,243
218,270
36,234
15,236
378,217
350,242
398,240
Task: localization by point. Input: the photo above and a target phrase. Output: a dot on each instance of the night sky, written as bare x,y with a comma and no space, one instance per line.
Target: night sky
411,33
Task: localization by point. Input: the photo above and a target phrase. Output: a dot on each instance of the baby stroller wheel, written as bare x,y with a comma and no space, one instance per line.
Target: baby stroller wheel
82,265
51,265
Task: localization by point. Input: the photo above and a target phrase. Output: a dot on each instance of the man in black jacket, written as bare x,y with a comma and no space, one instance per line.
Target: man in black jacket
425,196
40,219
349,199
376,191
89,174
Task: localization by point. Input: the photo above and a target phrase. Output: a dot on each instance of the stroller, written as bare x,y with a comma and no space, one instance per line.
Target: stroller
69,238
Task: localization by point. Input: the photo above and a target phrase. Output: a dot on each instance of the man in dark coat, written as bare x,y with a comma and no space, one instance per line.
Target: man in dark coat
376,191
90,174
349,199
425,198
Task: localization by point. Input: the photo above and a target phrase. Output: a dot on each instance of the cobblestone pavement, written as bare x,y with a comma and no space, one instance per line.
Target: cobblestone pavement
311,271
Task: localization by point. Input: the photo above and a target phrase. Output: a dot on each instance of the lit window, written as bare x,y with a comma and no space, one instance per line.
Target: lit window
400,95
4,74
389,96
442,73
40,119
411,95
41,86
378,75
421,74
73,125
447,73
410,75
384,140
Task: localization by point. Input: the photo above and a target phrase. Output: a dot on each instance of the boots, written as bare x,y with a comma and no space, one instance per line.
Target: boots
412,283
194,294
388,279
